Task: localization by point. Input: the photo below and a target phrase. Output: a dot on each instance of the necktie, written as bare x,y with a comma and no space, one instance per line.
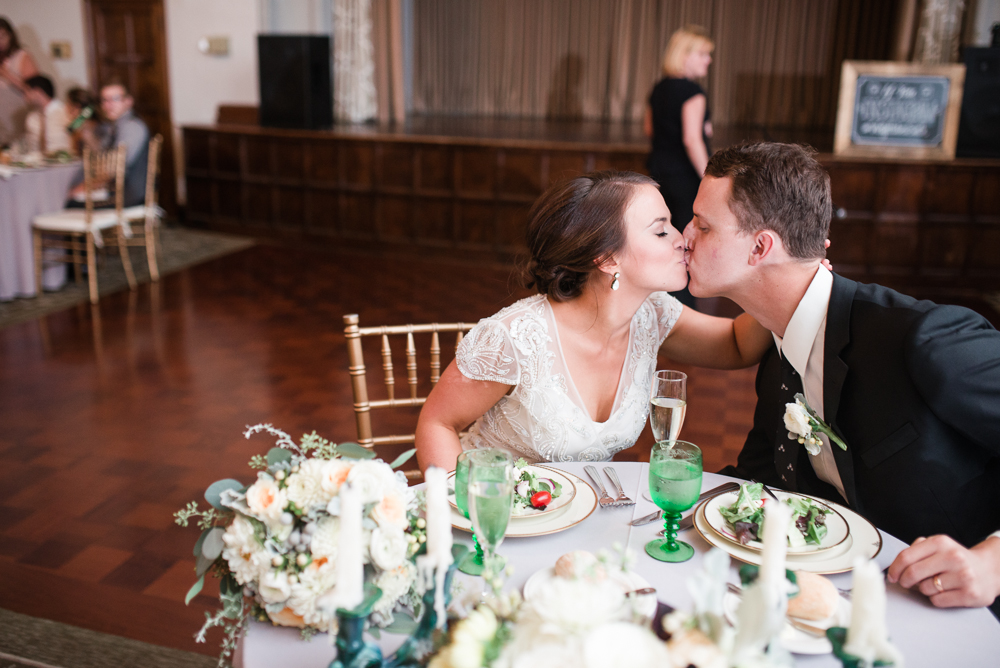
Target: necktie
786,451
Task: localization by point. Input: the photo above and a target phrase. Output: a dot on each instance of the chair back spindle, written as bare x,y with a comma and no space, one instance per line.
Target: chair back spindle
363,405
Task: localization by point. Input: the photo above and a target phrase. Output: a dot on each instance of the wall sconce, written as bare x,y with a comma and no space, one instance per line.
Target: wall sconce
214,46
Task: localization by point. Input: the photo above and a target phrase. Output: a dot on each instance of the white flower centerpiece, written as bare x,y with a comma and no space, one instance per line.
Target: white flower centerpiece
802,421
274,543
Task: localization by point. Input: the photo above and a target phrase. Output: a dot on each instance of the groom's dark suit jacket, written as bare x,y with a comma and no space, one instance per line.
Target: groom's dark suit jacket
913,388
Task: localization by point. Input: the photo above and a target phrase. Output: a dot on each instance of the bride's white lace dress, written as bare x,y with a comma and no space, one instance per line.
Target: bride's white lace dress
544,418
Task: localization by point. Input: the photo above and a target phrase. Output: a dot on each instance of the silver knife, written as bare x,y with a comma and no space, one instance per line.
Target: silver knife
715,491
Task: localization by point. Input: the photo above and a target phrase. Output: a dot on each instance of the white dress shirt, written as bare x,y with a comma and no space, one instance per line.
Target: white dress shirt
56,136
802,346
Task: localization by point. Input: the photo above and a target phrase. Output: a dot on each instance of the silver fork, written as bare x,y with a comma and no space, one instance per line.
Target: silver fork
622,499
605,500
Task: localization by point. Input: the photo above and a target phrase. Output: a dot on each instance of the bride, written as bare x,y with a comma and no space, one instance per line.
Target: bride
564,375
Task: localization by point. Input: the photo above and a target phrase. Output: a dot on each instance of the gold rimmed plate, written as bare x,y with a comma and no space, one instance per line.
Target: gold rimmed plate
558,504
582,506
837,528
864,541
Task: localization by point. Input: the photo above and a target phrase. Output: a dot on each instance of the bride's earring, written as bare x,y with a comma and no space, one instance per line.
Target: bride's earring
614,283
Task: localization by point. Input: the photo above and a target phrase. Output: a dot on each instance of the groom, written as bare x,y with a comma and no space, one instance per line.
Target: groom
911,387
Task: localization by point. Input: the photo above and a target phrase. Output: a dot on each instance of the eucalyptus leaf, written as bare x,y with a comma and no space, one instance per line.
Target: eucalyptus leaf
201,539
402,624
374,632
403,458
202,565
278,455
354,451
212,546
194,590
214,492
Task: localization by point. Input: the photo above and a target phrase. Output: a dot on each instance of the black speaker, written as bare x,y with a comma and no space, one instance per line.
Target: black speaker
295,84
979,129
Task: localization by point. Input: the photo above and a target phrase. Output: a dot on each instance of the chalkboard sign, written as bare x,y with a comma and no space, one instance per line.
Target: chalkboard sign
898,109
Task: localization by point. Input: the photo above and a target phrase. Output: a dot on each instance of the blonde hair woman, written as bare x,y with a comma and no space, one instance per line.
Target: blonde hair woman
677,120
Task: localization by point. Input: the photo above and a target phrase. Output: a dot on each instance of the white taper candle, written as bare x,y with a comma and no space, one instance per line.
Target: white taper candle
777,515
350,564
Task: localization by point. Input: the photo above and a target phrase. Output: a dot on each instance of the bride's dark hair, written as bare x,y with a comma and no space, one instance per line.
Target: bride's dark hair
574,226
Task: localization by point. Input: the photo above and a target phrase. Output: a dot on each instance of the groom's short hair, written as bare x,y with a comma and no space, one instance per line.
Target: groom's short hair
778,187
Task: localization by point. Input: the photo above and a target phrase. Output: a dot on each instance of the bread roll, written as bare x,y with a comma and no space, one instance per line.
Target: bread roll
817,598
580,564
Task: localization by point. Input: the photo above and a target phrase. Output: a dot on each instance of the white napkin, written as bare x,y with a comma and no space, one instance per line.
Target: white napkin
6,172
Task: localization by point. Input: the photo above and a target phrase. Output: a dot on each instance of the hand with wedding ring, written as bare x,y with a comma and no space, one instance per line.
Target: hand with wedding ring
950,574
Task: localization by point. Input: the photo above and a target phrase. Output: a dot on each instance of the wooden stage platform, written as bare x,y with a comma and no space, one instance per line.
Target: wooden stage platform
463,186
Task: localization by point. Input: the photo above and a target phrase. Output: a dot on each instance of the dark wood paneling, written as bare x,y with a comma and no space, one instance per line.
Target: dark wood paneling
929,223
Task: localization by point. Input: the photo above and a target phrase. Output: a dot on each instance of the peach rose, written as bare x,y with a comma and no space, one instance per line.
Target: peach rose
334,474
285,617
390,511
265,499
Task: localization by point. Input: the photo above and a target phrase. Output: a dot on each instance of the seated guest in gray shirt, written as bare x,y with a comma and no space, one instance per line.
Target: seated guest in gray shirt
123,126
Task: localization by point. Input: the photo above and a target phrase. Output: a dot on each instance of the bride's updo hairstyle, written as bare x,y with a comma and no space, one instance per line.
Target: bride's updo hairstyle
573,227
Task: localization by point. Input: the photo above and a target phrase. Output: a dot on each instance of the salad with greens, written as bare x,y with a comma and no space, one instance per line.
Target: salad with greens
746,516
532,490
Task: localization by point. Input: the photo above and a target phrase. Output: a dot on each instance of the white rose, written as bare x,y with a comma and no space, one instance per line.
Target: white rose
466,654
623,644
391,510
388,547
481,624
369,480
326,539
797,420
304,489
333,475
522,488
244,554
274,587
265,499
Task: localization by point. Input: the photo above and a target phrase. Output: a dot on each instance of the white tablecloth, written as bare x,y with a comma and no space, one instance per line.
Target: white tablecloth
928,636
23,196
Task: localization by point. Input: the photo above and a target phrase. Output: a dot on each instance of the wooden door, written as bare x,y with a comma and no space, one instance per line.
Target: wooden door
128,43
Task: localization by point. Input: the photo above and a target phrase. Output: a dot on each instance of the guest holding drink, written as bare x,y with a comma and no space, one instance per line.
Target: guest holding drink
678,122
82,107
565,375
46,125
16,66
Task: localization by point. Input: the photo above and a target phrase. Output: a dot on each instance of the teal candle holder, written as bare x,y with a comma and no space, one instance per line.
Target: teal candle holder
838,636
353,651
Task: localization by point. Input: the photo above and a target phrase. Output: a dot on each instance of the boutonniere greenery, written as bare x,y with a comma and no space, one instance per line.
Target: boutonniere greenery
801,421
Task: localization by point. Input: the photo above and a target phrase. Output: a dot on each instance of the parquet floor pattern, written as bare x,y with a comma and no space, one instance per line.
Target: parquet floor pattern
113,417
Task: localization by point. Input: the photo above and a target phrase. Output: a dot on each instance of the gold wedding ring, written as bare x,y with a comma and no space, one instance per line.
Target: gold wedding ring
937,583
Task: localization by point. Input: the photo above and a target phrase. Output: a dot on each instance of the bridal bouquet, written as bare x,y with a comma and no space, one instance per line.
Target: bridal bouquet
273,543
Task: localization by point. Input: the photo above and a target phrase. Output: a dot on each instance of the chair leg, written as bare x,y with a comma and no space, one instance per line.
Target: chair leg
154,269
126,259
77,254
37,240
92,268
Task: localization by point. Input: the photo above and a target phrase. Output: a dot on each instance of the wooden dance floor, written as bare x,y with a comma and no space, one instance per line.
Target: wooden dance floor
114,417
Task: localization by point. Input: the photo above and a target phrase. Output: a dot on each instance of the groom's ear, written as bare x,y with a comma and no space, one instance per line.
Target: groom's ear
764,244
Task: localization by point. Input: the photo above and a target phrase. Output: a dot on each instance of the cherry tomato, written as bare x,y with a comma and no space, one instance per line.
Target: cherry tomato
541,499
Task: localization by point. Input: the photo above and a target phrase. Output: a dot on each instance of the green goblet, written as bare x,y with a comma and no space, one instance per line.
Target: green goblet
674,484
491,499
472,563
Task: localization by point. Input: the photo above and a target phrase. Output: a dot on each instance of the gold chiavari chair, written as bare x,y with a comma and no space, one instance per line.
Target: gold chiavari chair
85,227
149,214
359,379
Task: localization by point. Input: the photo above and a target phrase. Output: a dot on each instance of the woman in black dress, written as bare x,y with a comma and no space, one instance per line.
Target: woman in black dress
677,120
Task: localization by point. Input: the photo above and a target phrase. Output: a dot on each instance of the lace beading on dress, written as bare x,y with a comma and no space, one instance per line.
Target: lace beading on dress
539,420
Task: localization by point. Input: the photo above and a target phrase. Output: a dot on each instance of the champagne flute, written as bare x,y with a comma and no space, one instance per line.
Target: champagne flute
490,500
674,483
667,407
472,562
667,404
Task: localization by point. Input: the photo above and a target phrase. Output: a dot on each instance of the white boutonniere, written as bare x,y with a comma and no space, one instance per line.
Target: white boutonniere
801,421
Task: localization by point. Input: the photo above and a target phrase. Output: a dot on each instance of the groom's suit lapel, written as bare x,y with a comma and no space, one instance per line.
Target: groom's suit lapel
838,326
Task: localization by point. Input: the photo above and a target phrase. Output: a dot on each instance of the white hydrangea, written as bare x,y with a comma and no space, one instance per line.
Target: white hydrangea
394,585
317,579
246,557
